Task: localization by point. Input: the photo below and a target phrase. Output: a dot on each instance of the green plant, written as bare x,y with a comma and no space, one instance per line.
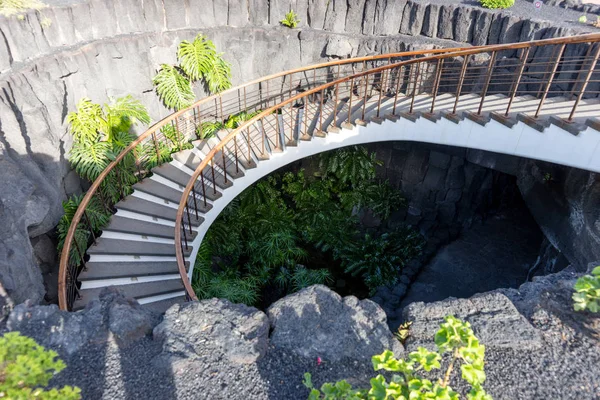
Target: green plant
587,292
403,331
26,368
100,133
46,22
495,4
454,336
10,7
351,165
379,260
198,60
583,19
290,20
209,129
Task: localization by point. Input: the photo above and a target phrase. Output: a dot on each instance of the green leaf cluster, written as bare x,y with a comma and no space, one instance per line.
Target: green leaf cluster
198,61
290,20
26,369
209,129
587,292
274,234
495,4
407,381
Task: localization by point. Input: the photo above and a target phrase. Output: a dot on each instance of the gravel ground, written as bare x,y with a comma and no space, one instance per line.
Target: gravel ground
565,367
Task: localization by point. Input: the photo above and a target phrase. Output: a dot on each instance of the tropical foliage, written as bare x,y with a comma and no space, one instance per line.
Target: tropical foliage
209,129
495,4
408,381
10,7
290,20
198,61
26,368
587,292
276,235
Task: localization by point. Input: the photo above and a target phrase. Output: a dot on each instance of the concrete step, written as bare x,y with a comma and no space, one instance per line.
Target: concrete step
181,178
245,160
205,146
138,227
163,305
110,269
192,161
154,210
133,248
133,290
166,193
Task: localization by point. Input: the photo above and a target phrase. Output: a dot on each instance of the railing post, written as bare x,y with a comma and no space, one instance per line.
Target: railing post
249,144
550,79
187,211
214,182
518,81
203,187
337,87
156,147
585,82
321,112
398,81
461,80
414,93
350,100
488,78
224,164
89,225
194,197
436,84
365,97
235,147
381,89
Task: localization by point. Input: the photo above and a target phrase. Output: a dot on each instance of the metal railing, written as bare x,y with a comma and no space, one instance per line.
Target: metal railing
253,96
537,70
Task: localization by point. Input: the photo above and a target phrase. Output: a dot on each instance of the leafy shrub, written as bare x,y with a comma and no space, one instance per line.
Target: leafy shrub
10,7
290,20
274,235
455,337
26,368
587,292
494,4
379,260
198,60
209,129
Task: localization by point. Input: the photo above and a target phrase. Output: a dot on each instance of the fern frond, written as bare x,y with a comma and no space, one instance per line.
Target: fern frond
174,90
196,58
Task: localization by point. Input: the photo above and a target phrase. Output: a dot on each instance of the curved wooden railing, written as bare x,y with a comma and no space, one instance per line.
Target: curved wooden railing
252,96
539,69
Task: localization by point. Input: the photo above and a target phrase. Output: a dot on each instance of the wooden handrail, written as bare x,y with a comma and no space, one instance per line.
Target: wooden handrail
320,89
64,259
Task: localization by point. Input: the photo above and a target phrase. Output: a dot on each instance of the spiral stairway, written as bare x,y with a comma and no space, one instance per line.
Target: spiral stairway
542,107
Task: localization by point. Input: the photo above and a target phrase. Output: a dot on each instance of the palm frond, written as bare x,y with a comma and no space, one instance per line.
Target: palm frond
196,58
174,90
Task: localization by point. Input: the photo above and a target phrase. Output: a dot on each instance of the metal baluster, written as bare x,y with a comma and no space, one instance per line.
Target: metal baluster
187,211
414,93
249,144
461,80
585,82
518,81
381,84
214,182
89,225
487,82
438,79
156,147
237,167
224,164
350,100
194,197
184,237
551,78
365,97
203,187
321,111
398,80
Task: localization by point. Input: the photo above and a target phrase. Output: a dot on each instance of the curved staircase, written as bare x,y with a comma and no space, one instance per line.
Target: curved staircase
537,107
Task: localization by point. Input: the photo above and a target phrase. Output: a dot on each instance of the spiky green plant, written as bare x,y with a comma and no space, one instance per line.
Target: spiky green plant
198,61
11,7
26,369
290,20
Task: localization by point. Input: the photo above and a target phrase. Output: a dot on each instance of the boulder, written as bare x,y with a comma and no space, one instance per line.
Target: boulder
238,332
494,318
68,332
317,322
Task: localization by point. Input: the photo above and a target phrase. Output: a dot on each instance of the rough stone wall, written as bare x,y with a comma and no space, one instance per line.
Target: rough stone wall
52,57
